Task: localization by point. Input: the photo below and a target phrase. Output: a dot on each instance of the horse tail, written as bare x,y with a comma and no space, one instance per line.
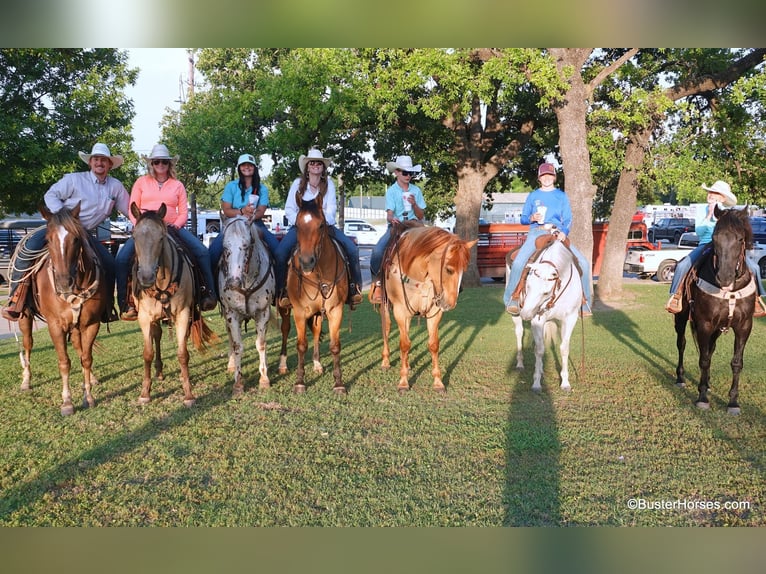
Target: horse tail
202,336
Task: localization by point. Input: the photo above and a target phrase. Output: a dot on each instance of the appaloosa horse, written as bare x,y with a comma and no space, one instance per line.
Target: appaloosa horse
246,286
719,297
422,272
70,293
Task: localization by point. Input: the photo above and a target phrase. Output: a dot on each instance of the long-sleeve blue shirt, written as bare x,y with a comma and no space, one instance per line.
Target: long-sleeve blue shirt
559,211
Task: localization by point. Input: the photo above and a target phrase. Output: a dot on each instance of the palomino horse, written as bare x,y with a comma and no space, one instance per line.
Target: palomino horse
720,297
71,295
317,286
422,275
246,285
163,287
552,296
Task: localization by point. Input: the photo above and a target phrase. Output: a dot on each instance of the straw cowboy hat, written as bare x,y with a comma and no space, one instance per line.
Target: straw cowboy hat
160,151
722,188
403,162
313,155
100,149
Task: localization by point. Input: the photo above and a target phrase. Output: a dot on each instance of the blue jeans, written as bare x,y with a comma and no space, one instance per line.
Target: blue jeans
216,246
684,266
288,243
376,257
526,251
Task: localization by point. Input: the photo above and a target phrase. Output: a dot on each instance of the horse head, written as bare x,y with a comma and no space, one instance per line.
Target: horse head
65,237
732,236
548,283
311,229
239,240
149,234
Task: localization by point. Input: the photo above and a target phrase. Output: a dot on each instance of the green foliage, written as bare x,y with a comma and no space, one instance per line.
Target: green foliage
488,453
54,103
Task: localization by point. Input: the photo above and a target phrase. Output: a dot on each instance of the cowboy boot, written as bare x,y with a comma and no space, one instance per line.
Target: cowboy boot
760,309
129,312
674,304
376,292
354,295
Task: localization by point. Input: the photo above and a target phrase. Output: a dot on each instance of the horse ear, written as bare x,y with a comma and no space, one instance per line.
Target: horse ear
45,212
470,244
162,210
717,211
134,210
76,210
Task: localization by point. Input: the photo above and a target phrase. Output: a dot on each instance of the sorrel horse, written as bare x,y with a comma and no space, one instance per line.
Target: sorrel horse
70,293
317,286
246,285
552,297
163,288
422,273
720,297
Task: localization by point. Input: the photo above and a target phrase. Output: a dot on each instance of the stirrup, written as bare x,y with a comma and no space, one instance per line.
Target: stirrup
760,309
376,293
283,301
674,304
513,308
10,314
129,314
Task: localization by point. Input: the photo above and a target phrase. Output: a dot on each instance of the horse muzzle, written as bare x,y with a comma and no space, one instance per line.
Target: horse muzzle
307,263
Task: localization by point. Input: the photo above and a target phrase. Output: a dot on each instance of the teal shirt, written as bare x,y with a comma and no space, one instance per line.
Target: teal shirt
232,194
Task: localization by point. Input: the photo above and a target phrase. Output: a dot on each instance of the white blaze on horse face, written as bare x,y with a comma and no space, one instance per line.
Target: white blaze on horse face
62,233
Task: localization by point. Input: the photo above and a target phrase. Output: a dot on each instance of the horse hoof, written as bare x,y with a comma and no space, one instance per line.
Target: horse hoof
538,389
282,370
403,390
567,389
264,386
237,392
733,410
189,403
339,390
681,385
144,400
67,410
299,389
703,406
25,388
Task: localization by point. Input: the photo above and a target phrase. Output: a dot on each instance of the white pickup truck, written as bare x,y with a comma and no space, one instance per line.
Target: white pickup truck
662,262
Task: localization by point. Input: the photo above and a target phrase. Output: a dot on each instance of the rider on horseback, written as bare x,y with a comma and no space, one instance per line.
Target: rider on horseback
544,207
98,194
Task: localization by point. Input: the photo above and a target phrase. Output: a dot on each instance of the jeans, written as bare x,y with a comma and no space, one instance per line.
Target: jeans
526,251
376,257
216,246
684,266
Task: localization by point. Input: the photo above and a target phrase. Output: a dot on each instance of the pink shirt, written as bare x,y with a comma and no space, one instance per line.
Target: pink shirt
148,196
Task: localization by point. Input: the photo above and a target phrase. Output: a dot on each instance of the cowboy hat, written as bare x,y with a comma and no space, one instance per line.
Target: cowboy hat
100,149
160,151
313,155
403,162
246,158
722,188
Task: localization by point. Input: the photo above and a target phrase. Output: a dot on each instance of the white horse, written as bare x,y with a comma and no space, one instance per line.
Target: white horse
246,286
551,297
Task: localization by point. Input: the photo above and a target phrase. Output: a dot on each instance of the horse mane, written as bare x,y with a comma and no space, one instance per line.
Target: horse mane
151,216
65,219
736,221
417,243
313,206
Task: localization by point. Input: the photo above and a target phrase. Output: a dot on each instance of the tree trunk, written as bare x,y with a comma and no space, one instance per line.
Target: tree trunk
468,199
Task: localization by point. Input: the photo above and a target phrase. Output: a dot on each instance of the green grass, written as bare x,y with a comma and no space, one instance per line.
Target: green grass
488,453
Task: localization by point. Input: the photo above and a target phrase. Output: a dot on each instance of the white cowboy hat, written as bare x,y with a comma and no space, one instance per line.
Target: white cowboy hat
160,151
102,150
403,162
722,188
313,155
246,158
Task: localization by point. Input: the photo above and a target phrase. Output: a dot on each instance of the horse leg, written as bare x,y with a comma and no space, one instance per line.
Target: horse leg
301,346
405,344
567,326
234,331
518,327
385,323
262,323
58,336
681,319
335,321
706,344
156,329
182,325
433,346
284,315
737,362
538,329
316,330
148,330
25,324
82,340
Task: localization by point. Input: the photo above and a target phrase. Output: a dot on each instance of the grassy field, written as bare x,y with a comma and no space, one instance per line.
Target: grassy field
487,453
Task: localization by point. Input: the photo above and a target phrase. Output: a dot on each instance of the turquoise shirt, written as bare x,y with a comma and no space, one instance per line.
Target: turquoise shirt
232,194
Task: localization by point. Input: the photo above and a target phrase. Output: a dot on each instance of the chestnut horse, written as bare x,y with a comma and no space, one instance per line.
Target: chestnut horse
246,286
422,275
163,288
70,293
317,286
720,297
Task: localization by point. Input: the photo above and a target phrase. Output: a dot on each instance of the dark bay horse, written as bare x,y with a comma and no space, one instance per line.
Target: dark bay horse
552,297
163,288
70,293
421,277
317,286
718,297
246,286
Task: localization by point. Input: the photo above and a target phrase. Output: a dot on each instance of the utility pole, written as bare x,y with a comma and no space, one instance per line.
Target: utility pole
189,95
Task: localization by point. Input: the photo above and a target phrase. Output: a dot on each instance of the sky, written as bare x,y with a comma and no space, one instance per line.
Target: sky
161,81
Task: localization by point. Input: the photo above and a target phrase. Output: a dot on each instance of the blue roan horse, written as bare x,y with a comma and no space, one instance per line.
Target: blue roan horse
552,296
718,297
